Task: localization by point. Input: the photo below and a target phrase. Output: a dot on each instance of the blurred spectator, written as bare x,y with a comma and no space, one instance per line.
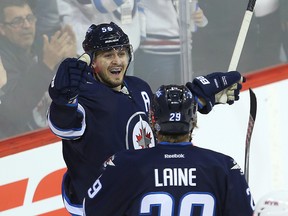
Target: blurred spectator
86,14
3,75
283,7
3,81
269,33
52,14
215,43
29,66
48,18
158,59
123,13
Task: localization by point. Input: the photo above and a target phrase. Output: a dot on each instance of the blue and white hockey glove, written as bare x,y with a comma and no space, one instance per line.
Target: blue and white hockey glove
65,86
216,88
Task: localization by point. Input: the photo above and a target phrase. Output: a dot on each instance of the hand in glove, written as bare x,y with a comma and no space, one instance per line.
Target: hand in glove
216,88
230,94
66,84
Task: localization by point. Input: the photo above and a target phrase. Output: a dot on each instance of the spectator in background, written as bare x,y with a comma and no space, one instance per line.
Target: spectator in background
269,33
48,19
283,7
86,14
215,42
3,75
125,14
3,80
29,67
158,59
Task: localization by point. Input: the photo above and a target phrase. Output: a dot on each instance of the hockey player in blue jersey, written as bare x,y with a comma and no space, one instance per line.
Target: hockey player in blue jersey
98,110
174,177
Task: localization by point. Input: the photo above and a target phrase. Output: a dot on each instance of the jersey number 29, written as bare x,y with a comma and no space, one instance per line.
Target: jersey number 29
165,202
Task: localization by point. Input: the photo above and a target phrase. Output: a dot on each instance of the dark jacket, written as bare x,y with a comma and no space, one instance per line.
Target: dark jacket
27,81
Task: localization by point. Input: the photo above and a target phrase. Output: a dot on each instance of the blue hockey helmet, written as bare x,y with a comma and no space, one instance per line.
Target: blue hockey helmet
174,110
106,36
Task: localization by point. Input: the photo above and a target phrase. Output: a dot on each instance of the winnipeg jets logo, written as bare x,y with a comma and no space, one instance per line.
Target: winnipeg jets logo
145,135
142,134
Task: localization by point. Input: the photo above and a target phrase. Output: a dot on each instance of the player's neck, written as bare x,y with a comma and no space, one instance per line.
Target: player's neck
174,138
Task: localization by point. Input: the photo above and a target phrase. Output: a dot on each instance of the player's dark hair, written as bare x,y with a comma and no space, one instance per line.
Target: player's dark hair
8,3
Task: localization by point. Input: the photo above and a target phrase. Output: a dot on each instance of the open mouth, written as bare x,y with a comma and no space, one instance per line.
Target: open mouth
116,70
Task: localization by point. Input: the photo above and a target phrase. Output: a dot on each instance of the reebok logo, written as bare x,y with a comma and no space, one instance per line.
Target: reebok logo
174,156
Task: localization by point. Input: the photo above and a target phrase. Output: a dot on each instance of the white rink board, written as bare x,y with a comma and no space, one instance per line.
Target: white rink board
34,164
224,130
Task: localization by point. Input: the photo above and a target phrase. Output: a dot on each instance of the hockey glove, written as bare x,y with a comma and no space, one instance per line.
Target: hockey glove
216,88
65,86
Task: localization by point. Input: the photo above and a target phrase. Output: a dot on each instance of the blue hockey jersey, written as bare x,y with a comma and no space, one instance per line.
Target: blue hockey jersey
104,122
170,179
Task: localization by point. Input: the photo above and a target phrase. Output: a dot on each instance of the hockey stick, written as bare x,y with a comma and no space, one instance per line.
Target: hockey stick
232,67
239,46
242,35
252,117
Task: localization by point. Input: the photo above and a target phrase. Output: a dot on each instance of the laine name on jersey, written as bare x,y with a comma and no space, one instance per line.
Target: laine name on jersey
175,177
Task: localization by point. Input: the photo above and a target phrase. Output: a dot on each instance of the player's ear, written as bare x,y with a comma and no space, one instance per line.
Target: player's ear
95,67
93,64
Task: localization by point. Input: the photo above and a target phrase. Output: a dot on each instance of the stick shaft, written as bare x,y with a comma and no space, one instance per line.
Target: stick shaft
233,66
242,36
240,41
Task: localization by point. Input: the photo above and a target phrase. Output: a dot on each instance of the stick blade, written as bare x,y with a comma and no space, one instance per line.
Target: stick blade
253,104
252,118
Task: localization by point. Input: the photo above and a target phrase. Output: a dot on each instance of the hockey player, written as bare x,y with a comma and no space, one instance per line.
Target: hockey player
273,204
97,110
175,177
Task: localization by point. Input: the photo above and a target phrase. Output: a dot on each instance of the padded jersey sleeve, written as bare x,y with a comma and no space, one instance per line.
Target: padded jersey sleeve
119,173
67,122
239,201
